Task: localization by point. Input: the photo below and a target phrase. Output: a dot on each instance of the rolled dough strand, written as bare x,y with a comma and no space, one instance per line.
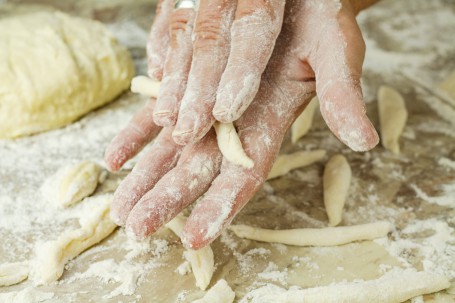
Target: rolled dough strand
221,292
392,117
303,123
145,86
285,163
230,144
393,287
201,260
336,182
227,137
13,273
329,236
52,256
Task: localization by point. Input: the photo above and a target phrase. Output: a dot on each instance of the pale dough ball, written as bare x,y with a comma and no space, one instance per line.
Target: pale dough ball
54,68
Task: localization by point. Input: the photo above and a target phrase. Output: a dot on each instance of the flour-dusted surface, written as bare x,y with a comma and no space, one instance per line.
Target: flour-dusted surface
410,47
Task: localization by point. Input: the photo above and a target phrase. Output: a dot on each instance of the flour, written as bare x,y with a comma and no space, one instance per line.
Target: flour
446,199
26,218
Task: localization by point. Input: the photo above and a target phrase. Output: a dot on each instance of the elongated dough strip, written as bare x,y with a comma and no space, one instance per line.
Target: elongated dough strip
71,184
285,163
52,256
230,144
336,182
145,86
201,260
329,236
303,123
393,287
392,117
13,273
221,292
227,137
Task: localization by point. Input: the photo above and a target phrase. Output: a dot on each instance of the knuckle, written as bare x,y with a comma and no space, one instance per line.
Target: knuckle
180,22
209,30
251,7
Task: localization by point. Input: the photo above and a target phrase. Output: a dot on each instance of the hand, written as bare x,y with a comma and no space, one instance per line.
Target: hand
320,49
210,60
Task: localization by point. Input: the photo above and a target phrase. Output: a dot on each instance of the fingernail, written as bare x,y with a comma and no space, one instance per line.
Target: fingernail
155,73
184,131
164,118
221,114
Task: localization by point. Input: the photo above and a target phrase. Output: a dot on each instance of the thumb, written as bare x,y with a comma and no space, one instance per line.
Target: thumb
338,66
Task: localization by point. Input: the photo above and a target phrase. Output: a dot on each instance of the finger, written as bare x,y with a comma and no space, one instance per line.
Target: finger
261,130
158,41
338,65
161,158
140,131
210,53
192,176
253,35
176,68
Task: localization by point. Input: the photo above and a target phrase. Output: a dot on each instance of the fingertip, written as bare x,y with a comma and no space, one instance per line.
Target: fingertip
164,118
115,216
112,159
194,239
136,229
155,73
234,96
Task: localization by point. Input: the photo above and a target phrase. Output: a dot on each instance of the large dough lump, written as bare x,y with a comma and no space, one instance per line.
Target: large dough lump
55,68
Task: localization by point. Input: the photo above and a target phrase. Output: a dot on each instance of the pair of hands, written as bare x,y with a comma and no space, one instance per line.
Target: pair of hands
257,63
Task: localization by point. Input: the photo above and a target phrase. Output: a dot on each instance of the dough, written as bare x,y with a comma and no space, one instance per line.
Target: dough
13,273
329,236
71,184
201,260
230,145
221,292
395,286
336,182
145,86
303,122
392,117
54,68
285,163
227,137
52,256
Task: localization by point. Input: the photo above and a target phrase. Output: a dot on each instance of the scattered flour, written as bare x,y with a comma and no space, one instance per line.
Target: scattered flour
447,199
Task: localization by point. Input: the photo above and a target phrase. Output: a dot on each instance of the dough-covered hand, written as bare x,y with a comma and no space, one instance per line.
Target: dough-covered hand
171,176
211,56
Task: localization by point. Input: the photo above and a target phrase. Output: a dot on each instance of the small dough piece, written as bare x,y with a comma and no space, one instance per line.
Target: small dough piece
230,145
52,256
448,85
392,117
227,137
285,163
221,292
145,86
336,182
201,260
13,273
55,68
303,123
329,236
395,286
71,184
